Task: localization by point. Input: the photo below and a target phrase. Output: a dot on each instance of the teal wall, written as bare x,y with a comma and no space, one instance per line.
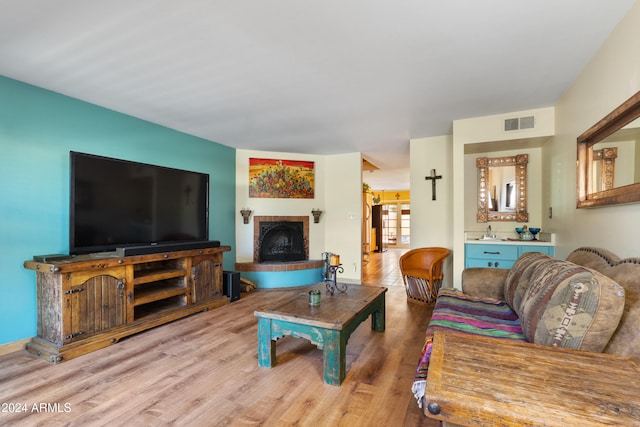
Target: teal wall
38,128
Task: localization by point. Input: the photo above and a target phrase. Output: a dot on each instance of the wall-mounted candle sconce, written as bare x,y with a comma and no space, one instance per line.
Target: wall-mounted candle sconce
246,213
316,215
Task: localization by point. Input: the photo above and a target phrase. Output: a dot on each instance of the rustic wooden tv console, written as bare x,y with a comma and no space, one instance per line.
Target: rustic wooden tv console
88,302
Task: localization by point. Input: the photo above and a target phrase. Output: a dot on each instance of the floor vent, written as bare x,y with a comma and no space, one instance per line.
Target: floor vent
519,123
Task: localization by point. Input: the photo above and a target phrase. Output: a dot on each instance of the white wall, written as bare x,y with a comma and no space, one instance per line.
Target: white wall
338,193
431,220
260,206
343,199
491,128
610,78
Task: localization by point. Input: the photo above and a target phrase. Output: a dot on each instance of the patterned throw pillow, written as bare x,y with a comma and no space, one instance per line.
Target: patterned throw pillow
567,305
519,277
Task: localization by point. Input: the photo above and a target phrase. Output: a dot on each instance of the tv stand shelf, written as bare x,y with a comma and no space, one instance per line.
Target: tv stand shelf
147,294
156,275
158,308
86,302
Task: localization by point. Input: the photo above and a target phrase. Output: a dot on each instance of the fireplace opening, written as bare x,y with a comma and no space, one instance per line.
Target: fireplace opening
281,241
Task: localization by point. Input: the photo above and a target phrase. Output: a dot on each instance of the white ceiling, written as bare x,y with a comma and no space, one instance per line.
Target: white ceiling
317,77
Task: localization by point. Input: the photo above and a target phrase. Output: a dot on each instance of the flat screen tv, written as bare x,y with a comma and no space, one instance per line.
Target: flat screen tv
123,204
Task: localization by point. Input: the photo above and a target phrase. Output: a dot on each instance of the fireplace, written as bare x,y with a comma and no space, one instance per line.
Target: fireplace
282,234
281,241
281,238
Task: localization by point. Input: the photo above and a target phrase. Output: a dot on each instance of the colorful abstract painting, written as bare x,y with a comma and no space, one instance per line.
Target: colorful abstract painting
283,179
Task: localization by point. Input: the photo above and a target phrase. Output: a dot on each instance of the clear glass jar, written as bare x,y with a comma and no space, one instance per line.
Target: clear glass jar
526,234
314,297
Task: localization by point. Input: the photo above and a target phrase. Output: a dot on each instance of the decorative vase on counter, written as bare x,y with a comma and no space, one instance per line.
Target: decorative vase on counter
526,234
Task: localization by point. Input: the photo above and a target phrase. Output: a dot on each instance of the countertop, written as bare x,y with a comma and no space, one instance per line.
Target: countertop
544,239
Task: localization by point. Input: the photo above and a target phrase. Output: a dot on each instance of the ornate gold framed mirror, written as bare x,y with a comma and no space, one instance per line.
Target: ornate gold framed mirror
608,167
502,188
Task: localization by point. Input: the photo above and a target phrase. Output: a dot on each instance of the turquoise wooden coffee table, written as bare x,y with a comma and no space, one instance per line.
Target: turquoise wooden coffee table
328,325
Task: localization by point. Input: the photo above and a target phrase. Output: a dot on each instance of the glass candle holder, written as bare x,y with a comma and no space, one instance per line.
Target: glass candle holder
314,297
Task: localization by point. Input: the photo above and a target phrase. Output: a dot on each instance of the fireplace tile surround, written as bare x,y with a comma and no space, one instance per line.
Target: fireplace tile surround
298,223
257,222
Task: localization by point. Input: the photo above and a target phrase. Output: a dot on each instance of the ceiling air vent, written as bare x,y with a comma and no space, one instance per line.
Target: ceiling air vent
519,123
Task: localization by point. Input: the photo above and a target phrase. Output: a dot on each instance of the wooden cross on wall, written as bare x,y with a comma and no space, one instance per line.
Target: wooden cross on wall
433,178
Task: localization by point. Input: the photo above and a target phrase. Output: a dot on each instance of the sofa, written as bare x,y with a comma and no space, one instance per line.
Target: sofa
588,302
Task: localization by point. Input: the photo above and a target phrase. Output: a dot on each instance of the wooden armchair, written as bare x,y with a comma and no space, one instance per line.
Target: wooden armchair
421,270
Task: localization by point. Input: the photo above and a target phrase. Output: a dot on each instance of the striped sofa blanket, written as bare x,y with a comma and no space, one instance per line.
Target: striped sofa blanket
457,312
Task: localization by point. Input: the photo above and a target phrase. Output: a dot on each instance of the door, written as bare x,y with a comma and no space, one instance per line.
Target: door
396,220
206,275
94,302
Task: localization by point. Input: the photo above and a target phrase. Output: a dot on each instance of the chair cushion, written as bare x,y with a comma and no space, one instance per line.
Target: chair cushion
519,277
567,305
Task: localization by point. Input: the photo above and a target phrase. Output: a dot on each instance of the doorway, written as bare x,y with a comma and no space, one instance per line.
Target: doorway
396,219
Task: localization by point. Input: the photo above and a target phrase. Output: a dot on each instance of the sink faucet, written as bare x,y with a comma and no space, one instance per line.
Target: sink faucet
490,233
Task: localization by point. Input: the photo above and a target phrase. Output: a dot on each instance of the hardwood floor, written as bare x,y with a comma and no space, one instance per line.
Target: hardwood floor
383,268
203,371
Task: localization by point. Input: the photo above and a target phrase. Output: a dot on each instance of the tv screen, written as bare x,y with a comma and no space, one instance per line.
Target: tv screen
118,204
